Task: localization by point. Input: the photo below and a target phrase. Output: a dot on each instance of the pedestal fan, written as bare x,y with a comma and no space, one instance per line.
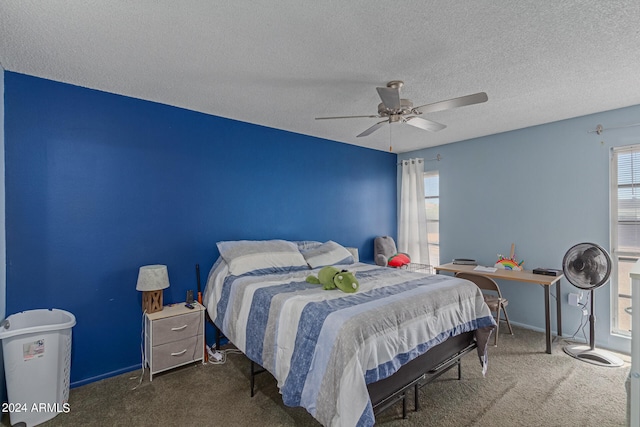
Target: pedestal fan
588,266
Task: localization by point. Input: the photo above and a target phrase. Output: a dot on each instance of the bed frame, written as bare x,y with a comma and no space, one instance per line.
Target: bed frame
419,372
415,374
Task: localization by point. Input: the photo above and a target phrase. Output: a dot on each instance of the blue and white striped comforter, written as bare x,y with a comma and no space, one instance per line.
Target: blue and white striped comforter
323,347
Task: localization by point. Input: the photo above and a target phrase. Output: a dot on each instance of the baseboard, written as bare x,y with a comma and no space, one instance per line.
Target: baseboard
532,328
579,339
105,376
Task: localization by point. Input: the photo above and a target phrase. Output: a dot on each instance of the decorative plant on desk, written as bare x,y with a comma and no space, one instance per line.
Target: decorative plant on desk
510,263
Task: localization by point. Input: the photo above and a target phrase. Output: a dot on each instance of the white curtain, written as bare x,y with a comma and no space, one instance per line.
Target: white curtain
412,228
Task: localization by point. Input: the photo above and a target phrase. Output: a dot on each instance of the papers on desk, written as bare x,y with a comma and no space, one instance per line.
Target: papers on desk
485,269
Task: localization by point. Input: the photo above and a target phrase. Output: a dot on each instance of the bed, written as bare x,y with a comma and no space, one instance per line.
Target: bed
340,355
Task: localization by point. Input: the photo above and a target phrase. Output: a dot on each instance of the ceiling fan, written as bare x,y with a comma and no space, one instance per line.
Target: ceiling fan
395,109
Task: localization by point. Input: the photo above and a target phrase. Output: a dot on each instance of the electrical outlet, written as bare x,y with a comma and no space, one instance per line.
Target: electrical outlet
573,299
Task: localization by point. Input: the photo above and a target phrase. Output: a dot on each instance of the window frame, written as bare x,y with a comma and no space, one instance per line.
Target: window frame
619,254
434,248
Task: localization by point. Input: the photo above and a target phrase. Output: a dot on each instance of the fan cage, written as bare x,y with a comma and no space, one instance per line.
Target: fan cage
577,278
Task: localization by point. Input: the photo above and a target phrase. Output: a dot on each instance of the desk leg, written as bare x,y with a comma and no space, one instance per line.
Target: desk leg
547,316
558,308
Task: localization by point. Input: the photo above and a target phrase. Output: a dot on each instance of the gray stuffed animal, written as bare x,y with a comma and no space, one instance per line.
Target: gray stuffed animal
384,247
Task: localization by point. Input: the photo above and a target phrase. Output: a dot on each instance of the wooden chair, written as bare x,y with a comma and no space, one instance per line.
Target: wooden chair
492,296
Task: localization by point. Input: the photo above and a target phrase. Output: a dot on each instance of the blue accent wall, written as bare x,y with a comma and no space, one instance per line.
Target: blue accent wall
99,184
544,188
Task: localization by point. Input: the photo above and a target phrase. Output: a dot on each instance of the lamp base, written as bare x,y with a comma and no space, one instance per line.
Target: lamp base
151,301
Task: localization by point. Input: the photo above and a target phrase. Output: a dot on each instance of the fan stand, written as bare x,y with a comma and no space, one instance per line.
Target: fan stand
589,353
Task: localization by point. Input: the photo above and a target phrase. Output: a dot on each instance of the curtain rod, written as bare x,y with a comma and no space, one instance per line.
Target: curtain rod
437,158
599,129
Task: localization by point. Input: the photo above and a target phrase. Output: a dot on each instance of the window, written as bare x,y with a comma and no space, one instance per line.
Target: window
432,206
625,231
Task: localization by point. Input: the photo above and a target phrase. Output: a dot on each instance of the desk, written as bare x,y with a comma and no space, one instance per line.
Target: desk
522,276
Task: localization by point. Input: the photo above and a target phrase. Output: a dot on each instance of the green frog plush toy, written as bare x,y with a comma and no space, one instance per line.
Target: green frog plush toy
331,277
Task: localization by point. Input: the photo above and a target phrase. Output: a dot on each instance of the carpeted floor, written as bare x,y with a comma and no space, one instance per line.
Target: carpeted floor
523,387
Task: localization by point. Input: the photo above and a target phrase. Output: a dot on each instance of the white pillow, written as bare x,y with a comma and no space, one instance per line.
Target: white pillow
261,256
329,253
305,245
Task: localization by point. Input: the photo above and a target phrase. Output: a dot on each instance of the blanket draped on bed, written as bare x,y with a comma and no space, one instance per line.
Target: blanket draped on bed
323,347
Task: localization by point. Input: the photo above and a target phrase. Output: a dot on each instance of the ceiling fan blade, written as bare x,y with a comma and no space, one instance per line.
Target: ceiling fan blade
390,97
462,101
347,117
372,129
425,124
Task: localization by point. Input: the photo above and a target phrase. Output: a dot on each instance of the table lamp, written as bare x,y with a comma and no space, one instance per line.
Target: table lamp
152,279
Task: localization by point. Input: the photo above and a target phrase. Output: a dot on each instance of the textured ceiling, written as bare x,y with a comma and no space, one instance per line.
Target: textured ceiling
281,64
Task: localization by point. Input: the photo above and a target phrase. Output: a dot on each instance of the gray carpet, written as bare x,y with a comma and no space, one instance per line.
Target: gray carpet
523,387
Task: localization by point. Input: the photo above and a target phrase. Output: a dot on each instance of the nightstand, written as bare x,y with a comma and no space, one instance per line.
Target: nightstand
173,337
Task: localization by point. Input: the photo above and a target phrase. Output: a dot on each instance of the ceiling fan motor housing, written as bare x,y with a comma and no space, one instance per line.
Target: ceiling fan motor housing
406,107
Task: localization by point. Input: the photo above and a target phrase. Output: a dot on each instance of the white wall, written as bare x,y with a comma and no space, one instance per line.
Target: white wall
3,252
3,258
544,188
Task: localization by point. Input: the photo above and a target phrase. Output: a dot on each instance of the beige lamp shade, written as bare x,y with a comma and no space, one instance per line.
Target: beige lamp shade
152,279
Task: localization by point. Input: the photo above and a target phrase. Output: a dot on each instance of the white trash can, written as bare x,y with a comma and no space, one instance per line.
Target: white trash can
37,363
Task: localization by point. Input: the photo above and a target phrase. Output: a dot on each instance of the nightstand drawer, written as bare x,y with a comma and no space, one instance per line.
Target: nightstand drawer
176,328
177,353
